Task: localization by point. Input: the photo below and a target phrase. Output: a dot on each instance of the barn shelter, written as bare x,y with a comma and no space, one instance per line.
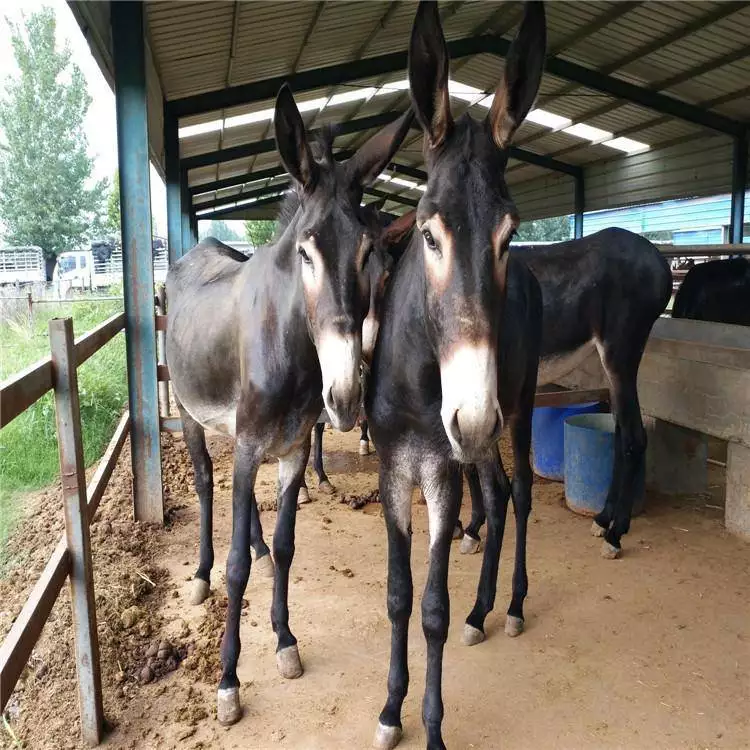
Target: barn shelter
640,102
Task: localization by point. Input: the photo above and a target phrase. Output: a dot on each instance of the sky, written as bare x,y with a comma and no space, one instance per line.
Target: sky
100,125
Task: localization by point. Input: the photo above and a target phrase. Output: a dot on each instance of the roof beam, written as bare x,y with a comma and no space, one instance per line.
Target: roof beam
331,75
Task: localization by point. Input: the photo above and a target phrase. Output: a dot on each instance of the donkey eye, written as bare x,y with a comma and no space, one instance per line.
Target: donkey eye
429,239
305,257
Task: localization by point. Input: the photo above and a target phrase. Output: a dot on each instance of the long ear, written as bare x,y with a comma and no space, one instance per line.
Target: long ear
395,237
523,73
291,141
428,74
373,156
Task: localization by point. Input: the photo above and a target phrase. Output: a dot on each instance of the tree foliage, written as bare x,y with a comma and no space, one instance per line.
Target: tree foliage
112,222
555,229
46,198
260,232
218,229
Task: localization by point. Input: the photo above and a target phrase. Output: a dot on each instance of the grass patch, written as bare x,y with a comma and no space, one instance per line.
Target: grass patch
28,445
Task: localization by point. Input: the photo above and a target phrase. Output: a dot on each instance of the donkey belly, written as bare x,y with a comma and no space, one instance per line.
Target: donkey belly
558,364
214,415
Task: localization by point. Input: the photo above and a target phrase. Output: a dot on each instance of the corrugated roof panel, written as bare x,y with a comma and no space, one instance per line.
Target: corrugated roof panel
199,144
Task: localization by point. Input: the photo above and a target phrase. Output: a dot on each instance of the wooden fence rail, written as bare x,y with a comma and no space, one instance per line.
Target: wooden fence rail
71,558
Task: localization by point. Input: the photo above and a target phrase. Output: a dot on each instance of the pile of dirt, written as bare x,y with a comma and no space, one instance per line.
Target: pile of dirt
130,588
357,502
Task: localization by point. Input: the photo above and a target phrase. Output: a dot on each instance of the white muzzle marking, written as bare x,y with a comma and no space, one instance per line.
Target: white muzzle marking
470,410
339,358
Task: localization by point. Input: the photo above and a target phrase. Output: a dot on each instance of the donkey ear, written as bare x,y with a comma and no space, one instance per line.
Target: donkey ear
373,156
395,237
428,74
523,73
291,140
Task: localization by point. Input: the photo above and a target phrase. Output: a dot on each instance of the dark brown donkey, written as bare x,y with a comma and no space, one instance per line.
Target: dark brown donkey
456,356
257,347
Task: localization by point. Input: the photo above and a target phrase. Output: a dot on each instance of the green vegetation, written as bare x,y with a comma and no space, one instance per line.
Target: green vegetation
555,229
220,230
47,196
260,232
28,445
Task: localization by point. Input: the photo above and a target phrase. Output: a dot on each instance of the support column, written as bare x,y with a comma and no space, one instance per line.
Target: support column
737,512
185,211
579,205
138,270
739,186
676,458
172,164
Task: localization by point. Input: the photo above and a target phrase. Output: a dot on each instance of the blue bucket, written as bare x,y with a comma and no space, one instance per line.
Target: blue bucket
547,437
589,461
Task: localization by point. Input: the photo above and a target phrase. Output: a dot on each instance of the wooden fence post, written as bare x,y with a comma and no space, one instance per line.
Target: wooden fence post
70,446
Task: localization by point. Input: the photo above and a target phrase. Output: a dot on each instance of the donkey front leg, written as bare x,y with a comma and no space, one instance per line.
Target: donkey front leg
246,461
324,484
195,437
395,496
495,490
291,474
263,563
364,439
441,485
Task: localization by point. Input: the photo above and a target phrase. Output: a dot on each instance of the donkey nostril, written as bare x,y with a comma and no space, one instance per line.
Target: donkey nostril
498,428
330,401
455,429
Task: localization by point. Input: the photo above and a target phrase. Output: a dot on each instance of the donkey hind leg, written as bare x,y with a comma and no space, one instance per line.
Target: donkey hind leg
471,540
496,490
364,439
195,437
263,565
291,473
441,485
395,496
521,494
324,484
246,461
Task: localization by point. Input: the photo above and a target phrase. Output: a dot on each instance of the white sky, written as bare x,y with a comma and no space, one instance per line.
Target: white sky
100,125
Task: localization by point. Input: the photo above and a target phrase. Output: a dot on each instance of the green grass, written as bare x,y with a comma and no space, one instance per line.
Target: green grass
28,445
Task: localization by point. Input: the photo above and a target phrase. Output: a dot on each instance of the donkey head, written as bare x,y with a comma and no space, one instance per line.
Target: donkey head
467,219
334,244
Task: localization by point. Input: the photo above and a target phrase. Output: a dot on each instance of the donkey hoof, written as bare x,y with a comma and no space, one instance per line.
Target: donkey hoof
228,708
303,496
513,625
288,662
471,635
263,566
200,592
326,487
609,551
364,447
597,530
469,545
458,531
386,738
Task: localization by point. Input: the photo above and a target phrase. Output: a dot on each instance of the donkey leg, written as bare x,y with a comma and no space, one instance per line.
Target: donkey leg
263,563
291,473
395,496
195,437
521,494
324,484
633,464
471,539
495,489
246,461
441,486
603,520
364,440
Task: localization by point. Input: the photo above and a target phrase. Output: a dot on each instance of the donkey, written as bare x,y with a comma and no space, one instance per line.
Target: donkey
717,291
393,236
456,356
257,348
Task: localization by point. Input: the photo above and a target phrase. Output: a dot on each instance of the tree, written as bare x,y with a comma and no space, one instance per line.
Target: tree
555,229
260,232
112,222
218,229
44,164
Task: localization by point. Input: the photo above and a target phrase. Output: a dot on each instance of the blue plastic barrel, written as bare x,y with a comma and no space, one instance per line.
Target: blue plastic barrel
547,437
589,460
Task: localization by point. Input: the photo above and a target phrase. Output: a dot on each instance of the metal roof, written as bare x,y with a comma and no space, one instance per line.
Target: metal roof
694,53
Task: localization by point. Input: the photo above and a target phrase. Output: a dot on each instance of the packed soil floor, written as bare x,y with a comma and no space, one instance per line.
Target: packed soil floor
648,651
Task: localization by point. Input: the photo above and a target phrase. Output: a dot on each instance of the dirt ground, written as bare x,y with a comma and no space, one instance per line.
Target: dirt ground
649,651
